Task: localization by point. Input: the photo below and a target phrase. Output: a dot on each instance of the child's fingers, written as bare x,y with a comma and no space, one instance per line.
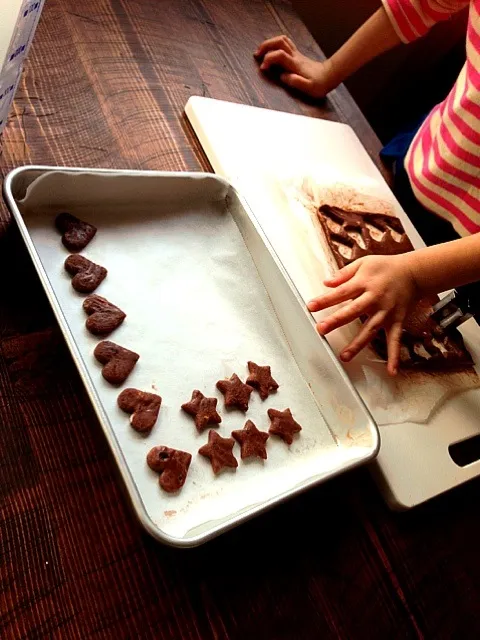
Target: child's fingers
278,58
343,275
279,42
347,314
296,82
343,293
364,337
394,334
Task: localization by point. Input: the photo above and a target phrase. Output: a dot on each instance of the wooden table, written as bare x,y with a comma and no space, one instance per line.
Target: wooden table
105,86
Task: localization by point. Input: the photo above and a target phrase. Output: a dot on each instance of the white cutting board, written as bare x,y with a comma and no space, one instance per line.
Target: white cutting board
258,149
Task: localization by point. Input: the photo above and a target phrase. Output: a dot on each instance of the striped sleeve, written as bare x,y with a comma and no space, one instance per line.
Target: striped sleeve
411,19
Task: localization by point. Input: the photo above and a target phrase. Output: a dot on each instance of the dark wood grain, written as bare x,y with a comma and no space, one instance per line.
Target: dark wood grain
105,86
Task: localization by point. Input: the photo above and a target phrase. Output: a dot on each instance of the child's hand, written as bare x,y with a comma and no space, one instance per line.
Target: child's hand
315,79
380,287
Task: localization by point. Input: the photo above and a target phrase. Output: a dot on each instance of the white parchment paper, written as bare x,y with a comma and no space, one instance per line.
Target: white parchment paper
197,311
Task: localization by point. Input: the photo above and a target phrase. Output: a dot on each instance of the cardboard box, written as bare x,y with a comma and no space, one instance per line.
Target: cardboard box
18,22
9,82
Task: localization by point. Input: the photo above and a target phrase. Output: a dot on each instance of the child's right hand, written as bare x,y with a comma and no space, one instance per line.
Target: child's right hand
313,78
380,287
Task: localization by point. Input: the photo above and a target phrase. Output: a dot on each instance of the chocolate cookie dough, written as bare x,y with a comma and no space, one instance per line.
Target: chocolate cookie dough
104,317
219,452
144,408
424,345
118,362
87,275
260,378
172,465
237,394
76,233
203,410
252,441
283,425
352,235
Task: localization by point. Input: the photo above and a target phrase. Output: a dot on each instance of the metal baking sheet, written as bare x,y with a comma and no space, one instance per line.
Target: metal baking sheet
204,293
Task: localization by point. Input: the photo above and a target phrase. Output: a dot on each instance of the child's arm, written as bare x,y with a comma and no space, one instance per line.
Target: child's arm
316,79
395,22
385,287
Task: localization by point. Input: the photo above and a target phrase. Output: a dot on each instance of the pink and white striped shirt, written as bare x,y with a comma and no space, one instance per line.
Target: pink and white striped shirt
443,162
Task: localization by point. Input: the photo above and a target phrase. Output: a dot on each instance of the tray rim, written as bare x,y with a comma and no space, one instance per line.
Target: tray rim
133,494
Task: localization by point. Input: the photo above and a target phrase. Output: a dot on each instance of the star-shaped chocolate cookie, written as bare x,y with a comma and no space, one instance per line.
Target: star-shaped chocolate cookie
252,441
237,394
203,410
283,425
260,378
219,452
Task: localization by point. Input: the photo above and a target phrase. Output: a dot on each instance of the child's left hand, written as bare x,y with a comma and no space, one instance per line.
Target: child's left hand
299,72
380,287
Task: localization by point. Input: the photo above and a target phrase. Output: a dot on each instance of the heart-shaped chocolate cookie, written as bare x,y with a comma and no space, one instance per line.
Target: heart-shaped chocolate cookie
118,362
143,406
171,464
86,274
76,233
104,317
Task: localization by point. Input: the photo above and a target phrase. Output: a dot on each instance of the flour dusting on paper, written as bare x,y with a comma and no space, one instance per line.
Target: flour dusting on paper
344,196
